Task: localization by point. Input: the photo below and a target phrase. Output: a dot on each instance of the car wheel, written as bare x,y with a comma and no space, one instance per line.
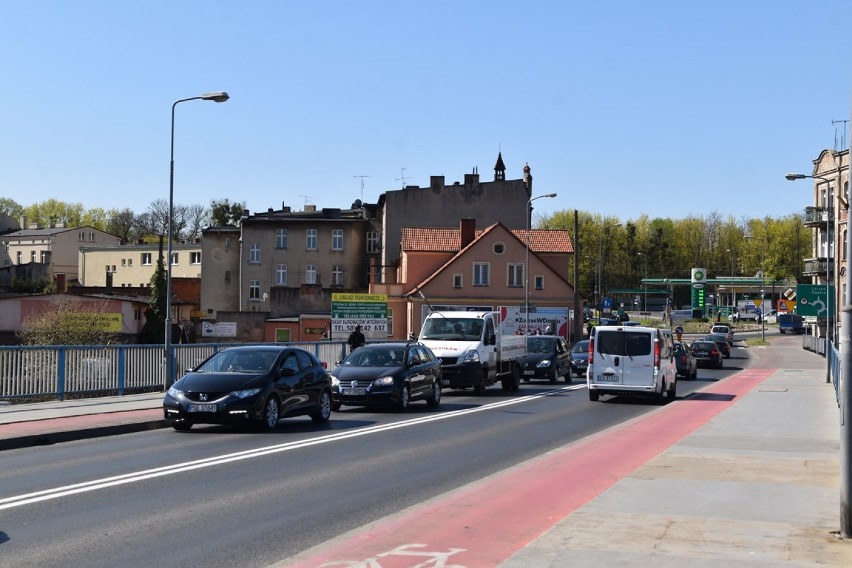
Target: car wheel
672,392
181,426
479,388
404,399
516,378
594,395
694,374
269,417
434,400
323,411
554,376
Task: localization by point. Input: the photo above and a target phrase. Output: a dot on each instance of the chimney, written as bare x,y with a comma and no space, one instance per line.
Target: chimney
436,183
467,232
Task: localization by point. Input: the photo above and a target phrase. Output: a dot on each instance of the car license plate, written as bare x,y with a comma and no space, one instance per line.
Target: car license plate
201,408
529,372
353,392
607,378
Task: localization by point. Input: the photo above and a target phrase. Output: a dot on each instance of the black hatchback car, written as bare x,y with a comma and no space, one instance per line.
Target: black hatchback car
548,357
706,353
250,384
388,374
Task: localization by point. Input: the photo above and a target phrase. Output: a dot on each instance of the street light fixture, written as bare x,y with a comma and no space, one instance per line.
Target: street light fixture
527,263
599,285
168,376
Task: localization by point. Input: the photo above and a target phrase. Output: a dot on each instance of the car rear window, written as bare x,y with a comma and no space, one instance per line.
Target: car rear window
632,344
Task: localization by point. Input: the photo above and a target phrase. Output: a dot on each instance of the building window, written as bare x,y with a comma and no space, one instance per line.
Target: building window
195,257
281,275
254,253
281,239
92,237
174,258
337,239
337,275
539,282
129,262
146,259
311,239
480,274
45,257
254,290
81,236
515,275
311,274
32,256
499,248
374,242
20,257
457,280
123,263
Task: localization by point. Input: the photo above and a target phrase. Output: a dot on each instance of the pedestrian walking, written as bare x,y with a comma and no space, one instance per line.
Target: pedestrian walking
356,339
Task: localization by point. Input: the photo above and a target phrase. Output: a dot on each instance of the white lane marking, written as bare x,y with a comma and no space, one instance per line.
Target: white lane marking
86,486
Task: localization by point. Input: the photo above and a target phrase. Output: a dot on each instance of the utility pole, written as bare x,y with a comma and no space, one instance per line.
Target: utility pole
402,177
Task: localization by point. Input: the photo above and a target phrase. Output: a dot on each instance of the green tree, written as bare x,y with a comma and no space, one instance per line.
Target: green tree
10,207
224,213
155,315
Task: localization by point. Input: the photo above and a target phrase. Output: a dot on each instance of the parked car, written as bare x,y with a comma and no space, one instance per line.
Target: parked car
725,329
706,353
722,341
250,384
548,357
580,357
772,316
388,374
687,366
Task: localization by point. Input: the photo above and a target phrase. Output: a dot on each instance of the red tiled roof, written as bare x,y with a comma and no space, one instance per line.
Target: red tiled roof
441,239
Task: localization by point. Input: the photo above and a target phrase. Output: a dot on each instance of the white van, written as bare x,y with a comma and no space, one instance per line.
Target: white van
631,360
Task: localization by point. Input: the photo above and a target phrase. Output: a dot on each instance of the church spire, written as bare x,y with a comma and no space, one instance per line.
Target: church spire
499,168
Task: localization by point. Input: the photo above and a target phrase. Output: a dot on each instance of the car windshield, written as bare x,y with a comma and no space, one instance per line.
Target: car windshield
454,329
238,361
580,347
375,357
540,344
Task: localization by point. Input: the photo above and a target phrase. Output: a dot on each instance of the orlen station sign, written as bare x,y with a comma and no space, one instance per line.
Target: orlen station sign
368,310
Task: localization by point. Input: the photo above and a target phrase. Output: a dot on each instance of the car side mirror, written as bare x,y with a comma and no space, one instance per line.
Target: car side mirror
287,372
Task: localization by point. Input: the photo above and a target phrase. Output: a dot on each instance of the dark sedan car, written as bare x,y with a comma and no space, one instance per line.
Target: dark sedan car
706,353
548,357
388,374
687,366
722,341
250,384
580,357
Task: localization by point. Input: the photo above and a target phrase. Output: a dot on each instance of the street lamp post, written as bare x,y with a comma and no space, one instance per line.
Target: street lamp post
600,260
829,335
168,375
734,309
527,263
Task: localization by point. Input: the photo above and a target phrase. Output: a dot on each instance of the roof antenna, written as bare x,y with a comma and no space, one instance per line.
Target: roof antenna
362,186
402,170
843,138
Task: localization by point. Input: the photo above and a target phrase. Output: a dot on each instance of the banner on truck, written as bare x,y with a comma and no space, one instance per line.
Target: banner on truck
513,320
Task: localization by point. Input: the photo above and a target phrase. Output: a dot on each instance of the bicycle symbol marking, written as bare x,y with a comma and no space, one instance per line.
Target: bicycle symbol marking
434,558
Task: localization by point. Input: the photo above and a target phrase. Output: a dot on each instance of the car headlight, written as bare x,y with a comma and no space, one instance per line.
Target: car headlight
245,393
335,382
383,382
471,356
544,363
174,393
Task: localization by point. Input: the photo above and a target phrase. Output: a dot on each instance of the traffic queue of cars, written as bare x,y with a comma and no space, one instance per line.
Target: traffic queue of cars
261,384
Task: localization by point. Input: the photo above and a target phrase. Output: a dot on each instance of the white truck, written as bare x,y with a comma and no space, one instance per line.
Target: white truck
472,350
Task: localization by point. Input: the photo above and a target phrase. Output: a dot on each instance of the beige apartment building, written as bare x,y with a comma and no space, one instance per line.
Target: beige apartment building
132,266
33,253
828,217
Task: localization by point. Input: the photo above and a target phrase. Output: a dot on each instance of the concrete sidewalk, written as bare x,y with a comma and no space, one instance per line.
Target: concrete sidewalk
44,423
758,485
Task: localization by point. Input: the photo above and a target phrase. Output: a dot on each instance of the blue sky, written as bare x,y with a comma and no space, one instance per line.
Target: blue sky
667,108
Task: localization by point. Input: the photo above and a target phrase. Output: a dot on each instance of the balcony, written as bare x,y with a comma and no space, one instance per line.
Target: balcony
815,266
815,216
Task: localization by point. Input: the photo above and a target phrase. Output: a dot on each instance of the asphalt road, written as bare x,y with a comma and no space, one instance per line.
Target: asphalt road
215,496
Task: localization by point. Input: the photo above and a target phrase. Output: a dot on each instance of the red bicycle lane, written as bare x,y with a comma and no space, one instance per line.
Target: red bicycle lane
485,523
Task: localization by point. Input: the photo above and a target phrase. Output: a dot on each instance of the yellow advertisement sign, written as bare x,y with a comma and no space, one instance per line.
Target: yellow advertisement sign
110,322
